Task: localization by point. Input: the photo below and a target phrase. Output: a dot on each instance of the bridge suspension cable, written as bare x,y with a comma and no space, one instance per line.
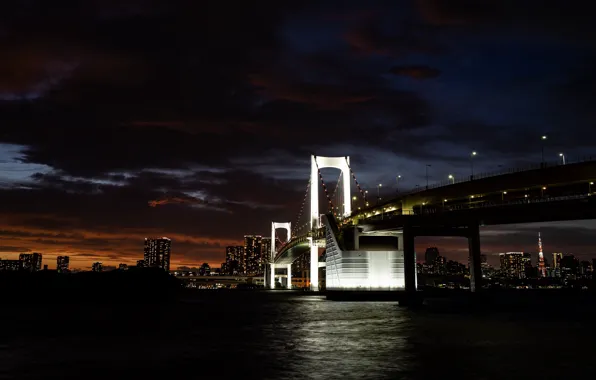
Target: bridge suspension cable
324,187
296,227
336,186
362,192
337,196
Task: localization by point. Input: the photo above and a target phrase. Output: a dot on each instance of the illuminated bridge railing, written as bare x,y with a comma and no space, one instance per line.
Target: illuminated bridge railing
437,209
389,202
504,171
317,234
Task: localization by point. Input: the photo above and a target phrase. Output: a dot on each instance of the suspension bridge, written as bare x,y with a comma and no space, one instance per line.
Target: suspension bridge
371,248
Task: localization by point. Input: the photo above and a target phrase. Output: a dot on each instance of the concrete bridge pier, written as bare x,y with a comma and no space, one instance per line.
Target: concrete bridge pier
410,276
289,284
409,261
471,232
475,260
271,276
314,265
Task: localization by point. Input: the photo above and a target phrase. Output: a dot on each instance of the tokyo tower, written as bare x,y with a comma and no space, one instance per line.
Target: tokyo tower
541,266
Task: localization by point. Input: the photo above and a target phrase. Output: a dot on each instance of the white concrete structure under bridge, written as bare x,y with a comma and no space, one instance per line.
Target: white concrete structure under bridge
362,261
354,261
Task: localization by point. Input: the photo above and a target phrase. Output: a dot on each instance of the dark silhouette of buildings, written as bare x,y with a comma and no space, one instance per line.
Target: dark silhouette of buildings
30,261
234,260
10,265
62,264
431,254
205,270
97,267
569,266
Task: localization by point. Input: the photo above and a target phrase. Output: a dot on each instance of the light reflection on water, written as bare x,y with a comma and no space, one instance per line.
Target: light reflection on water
268,335
341,339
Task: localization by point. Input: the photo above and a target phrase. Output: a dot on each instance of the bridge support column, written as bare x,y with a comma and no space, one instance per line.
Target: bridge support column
475,267
409,261
289,285
314,266
271,276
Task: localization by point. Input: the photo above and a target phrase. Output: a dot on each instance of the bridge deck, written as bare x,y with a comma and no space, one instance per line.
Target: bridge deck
548,210
542,194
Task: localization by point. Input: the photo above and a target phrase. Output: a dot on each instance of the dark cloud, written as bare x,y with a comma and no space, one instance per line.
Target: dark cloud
400,39
416,71
209,111
570,20
14,249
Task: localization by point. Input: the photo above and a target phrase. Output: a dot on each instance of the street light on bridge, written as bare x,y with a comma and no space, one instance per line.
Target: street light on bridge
590,188
503,195
472,155
451,178
427,166
397,183
379,192
563,157
543,139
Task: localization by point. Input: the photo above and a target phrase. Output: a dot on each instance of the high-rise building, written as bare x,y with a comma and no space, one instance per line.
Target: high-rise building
253,254
97,267
541,265
266,249
529,271
585,269
455,268
140,263
569,266
440,265
30,261
62,263
235,260
431,255
157,253
513,264
11,265
557,256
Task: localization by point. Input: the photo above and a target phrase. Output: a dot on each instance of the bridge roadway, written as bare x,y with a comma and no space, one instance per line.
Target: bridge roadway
577,207
296,247
548,181
454,220
547,194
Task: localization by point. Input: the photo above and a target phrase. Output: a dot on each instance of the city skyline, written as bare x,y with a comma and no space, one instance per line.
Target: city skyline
162,119
453,248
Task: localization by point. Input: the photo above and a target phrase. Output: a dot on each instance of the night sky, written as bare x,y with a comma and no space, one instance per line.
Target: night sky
195,120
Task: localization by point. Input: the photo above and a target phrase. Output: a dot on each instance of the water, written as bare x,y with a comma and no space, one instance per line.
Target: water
268,335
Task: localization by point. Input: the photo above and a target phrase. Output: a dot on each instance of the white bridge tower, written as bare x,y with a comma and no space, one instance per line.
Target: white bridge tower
318,162
274,226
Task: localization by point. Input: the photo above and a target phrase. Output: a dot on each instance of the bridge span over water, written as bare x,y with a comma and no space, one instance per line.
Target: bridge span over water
371,248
